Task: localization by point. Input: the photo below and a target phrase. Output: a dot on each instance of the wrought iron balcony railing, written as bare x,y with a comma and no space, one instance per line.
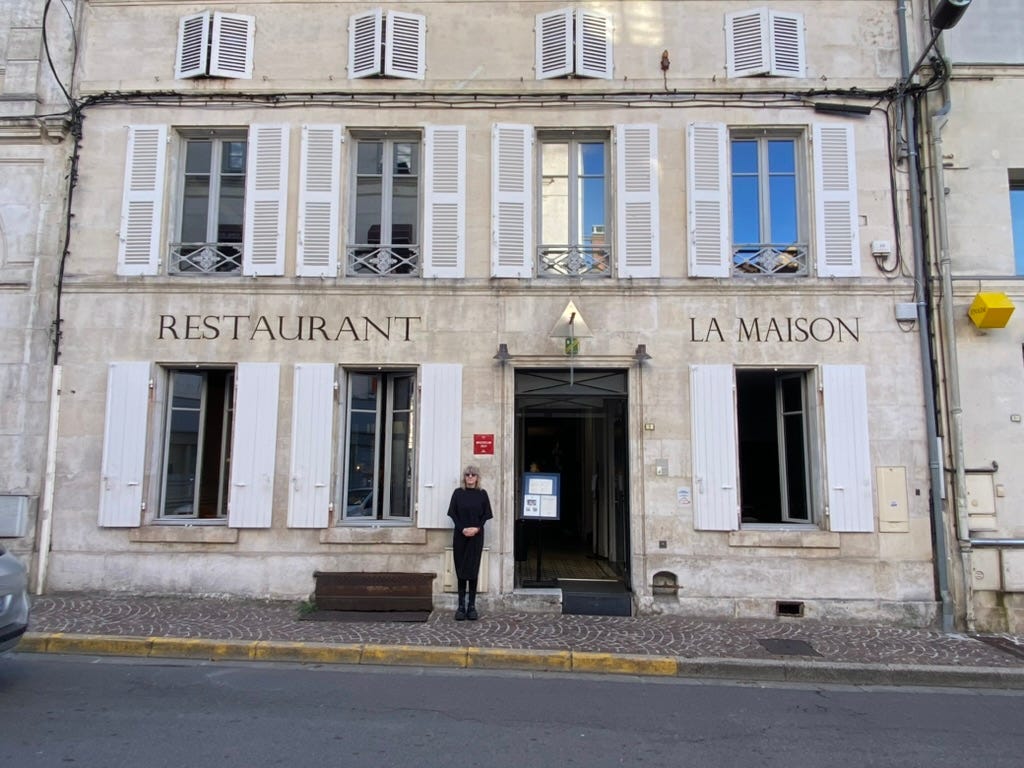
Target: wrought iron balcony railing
788,259
205,258
574,261
370,259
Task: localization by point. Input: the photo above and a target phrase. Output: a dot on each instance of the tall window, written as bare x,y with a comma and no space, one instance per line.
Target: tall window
774,425
379,444
1017,218
767,223
574,207
212,206
386,199
197,448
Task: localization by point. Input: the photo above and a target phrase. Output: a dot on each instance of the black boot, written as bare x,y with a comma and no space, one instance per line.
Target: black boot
471,613
460,612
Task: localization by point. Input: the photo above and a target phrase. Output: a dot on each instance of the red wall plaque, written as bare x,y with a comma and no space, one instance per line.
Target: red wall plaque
483,444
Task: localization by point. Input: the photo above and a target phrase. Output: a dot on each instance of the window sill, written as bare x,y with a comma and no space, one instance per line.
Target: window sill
376,534
184,534
801,538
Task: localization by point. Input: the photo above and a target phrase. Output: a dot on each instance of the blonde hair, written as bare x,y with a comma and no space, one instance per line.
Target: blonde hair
471,469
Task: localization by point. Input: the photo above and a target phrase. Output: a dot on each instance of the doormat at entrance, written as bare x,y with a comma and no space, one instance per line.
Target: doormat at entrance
375,616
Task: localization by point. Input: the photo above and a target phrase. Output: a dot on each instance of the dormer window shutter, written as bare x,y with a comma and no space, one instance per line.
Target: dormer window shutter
554,44
364,44
787,36
746,43
231,45
215,44
405,45
193,46
593,45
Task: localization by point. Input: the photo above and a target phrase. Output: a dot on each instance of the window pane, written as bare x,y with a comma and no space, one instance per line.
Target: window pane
231,210
555,211
592,158
233,157
368,204
198,154
370,158
782,190
744,157
554,159
592,192
746,213
182,461
400,479
404,210
195,208
362,443
1017,220
407,159
796,468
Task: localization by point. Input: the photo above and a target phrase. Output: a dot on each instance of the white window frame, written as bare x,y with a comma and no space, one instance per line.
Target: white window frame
381,512
839,450
215,44
828,195
573,41
761,41
210,258
391,44
633,213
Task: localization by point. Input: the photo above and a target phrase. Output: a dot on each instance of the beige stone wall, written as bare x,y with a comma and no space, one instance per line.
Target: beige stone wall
302,46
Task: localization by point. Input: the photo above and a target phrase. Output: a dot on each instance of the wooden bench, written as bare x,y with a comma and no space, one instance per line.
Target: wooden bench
373,591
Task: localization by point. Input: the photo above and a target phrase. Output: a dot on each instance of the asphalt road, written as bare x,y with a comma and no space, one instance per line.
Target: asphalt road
110,712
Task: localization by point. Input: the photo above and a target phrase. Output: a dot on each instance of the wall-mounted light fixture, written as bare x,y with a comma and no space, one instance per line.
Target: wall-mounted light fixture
641,356
503,355
948,12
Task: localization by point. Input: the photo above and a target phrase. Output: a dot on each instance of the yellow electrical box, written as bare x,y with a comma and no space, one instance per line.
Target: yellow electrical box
991,310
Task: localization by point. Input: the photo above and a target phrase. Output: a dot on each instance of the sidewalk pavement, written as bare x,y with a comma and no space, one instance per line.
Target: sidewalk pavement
792,650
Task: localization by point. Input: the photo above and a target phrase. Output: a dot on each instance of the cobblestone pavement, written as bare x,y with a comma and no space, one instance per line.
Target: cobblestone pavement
678,636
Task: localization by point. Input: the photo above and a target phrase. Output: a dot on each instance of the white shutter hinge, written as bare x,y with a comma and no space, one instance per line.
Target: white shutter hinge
151,384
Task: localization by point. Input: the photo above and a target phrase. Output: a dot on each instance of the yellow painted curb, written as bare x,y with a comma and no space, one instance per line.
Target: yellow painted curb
104,645
307,652
624,664
414,655
197,648
502,658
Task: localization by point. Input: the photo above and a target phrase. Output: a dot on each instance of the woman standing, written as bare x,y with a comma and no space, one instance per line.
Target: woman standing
469,509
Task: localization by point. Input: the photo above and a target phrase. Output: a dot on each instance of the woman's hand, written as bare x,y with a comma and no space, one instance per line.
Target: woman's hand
470,532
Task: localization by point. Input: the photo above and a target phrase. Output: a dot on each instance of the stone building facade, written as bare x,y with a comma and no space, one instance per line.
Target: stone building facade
36,64
643,263
975,176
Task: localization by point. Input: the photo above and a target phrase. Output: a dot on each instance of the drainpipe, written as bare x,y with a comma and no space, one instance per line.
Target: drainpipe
46,508
949,355
925,332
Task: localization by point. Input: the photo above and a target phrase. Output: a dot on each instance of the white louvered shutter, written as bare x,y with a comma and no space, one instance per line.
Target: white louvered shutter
124,445
405,45
444,226
254,445
747,35
266,197
319,201
511,201
707,184
440,444
309,494
554,44
836,218
787,49
231,45
848,455
713,424
593,44
364,44
636,202
193,46
139,241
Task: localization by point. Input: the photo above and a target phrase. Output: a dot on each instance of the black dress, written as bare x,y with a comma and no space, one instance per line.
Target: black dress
469,508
